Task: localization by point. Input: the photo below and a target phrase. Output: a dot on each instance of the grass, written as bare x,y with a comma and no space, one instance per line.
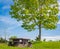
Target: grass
36,45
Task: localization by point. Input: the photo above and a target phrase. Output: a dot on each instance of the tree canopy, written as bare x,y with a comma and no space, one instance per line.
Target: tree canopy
35,12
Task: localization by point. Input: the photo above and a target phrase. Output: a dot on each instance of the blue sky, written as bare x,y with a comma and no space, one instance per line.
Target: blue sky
11,27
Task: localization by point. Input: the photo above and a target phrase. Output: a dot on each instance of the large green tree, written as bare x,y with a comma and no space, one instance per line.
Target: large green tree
35,13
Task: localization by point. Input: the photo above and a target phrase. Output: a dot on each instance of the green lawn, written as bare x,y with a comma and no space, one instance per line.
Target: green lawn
37,45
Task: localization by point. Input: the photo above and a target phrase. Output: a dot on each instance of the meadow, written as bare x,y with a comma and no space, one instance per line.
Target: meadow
35,45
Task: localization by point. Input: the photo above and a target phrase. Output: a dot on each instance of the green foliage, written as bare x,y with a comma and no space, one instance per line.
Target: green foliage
2,40
11,40
13,37
37,38
35,12
44,40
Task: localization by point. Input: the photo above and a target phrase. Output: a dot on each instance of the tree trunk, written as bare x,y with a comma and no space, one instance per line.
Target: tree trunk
39,32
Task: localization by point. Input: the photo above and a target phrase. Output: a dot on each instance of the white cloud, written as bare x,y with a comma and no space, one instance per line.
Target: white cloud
53,38
12,23
9,21
12,27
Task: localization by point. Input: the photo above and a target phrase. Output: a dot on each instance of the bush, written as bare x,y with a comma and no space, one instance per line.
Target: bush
2,40
44,40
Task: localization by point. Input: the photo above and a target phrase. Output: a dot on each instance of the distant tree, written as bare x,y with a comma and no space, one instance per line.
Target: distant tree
40,13
50,40
32,41
2,40
13,37
59,40
44,40
37,38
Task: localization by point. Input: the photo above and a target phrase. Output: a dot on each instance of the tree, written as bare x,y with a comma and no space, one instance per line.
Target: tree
37,38
44,40
2,40
40,13
13,37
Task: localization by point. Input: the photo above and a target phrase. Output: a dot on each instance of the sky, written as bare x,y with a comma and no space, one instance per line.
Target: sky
11,27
